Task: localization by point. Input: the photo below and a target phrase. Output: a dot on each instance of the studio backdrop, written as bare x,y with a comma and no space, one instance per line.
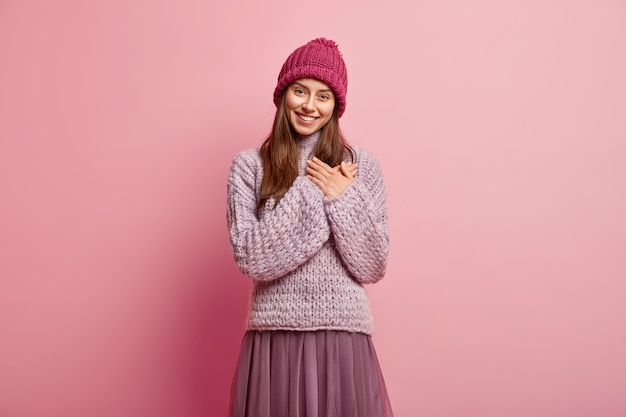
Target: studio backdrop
500,128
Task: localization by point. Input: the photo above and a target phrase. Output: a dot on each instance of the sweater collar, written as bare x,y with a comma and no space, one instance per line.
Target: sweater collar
307,143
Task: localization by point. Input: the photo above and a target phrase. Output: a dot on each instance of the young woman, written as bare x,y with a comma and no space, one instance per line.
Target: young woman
308,224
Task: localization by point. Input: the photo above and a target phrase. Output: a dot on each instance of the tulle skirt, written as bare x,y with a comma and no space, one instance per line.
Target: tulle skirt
308,374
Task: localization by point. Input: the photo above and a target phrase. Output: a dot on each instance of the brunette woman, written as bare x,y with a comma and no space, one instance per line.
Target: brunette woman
308,225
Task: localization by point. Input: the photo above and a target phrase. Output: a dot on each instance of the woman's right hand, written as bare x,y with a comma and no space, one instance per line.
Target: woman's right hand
331,180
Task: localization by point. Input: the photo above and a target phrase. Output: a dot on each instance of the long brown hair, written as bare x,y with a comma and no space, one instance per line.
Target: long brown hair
280,153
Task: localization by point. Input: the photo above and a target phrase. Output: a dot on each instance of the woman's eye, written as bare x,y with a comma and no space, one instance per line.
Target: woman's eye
324,96
299,91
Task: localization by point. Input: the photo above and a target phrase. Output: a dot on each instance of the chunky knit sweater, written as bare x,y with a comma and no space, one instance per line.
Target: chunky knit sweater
308,255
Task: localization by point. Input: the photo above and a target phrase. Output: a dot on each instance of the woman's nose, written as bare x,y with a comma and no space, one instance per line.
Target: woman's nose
308,105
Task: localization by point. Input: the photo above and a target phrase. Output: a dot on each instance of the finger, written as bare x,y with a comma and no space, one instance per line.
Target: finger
323,164
347,171
338,167
319,166
320,175
317,182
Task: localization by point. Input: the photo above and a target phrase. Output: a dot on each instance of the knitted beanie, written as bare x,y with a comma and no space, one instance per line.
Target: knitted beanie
319,59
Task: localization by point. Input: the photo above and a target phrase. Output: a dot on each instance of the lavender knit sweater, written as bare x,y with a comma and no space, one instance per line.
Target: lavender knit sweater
308,256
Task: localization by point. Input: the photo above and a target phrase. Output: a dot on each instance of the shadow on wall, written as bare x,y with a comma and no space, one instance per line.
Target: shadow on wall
221,297
217,308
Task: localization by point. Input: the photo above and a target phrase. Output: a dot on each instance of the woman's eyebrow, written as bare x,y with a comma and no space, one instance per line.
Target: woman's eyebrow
325,90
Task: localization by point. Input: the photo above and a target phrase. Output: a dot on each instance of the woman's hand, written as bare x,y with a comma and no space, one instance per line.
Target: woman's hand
332,181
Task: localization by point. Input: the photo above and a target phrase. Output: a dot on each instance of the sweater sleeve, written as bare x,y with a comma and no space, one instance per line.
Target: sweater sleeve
358,221
273,241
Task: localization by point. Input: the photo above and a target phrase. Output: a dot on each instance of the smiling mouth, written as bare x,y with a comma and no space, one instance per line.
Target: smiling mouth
306,118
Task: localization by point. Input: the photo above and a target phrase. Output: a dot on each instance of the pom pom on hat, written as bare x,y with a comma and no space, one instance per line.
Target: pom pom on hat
319,59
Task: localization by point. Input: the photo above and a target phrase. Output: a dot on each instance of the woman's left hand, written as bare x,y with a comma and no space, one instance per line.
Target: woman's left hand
332,181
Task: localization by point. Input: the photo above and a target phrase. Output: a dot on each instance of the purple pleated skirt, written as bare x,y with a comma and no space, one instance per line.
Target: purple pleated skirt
308,374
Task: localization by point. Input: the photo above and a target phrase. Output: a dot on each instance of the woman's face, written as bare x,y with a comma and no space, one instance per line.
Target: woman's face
309,105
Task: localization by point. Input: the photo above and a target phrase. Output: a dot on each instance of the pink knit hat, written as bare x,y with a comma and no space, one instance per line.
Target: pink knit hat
319,59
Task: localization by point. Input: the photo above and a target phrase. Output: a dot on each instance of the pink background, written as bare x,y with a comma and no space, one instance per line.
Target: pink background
501,129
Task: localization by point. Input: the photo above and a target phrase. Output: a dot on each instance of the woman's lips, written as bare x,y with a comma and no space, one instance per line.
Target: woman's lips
306,119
